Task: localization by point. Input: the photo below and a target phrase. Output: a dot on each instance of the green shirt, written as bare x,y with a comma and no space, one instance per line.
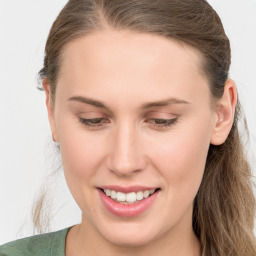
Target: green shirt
50,244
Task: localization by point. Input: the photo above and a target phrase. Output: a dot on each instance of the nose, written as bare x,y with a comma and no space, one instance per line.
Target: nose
126,153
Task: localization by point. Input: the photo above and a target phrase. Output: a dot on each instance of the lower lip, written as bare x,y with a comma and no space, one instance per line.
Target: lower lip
127,210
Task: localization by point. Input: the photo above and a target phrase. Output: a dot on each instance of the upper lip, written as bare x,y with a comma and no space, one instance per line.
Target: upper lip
127,189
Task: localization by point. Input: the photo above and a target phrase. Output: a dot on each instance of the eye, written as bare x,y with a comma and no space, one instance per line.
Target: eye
162,123
94,122
155,122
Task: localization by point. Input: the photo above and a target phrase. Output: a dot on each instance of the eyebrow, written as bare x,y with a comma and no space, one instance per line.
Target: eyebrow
145,106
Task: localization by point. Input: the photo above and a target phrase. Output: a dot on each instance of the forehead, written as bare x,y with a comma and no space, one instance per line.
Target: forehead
125,45
127,60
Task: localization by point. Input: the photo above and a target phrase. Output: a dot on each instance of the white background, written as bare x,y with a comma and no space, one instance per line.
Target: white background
26,151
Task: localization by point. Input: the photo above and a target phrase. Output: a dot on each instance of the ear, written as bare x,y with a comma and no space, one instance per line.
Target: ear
50,108
225,111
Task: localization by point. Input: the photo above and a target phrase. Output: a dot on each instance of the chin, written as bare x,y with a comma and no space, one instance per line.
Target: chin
130,236
131,241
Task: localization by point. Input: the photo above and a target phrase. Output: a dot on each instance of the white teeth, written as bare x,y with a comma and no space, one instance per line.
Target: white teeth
107,191
139,195
113,194
131,197
146,193
120,196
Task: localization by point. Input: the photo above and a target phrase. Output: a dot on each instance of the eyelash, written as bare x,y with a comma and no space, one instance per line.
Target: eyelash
167,122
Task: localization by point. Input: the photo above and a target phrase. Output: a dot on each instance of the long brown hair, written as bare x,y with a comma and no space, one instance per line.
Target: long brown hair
224,208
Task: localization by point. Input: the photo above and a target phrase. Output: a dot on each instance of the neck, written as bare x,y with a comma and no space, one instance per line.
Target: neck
84,239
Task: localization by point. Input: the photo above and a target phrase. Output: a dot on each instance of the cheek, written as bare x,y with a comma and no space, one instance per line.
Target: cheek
82,155
79,155
181,158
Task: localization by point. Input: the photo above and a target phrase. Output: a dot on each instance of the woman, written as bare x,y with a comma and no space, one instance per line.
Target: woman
140,102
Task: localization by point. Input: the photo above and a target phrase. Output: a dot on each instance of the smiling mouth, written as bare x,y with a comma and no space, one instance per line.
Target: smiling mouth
128,198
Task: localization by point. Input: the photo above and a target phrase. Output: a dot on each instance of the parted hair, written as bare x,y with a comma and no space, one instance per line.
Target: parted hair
224,207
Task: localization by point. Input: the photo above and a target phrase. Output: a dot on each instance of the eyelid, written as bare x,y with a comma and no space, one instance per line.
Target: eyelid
92,114
161,115
92,119
166,123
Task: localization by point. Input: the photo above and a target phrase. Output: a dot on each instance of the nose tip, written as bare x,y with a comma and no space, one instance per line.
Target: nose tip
123,167
126,155
126,158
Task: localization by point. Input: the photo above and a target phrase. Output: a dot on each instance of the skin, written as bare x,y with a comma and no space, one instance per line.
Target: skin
125,70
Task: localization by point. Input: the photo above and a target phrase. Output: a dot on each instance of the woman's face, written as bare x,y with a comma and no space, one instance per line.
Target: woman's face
133,113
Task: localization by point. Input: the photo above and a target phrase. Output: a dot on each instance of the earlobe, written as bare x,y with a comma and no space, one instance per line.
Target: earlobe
50,108
225,111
